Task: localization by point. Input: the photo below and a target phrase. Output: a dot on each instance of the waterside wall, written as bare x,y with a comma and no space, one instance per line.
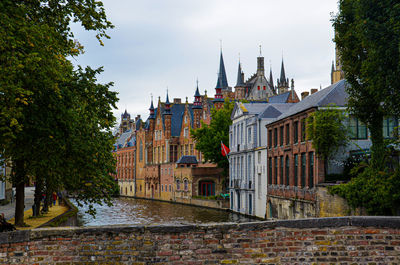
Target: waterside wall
344,240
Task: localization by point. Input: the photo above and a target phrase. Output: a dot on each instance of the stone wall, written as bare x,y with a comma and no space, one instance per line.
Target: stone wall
344,240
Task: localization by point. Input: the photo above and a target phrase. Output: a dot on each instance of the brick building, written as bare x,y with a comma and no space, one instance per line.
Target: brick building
294,170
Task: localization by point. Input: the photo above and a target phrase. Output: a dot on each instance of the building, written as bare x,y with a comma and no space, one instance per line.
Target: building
295,173
248,140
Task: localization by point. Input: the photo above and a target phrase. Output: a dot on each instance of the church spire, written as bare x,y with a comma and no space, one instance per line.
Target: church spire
222,81
282,79
240,81
271,80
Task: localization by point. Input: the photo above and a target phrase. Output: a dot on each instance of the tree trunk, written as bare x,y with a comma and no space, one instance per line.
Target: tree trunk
38,195
19,192
378,147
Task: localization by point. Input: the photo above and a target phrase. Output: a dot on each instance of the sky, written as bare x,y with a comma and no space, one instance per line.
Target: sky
169,44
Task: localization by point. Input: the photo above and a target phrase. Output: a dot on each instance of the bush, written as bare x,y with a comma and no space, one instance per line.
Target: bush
376,191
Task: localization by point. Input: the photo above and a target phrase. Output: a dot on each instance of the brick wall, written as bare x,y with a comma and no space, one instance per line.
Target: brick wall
344,240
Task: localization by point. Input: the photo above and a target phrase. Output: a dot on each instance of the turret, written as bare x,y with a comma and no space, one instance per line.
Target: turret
197,108
222,83
167,118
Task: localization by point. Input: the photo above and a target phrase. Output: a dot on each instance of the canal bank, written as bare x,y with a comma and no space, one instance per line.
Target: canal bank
139,211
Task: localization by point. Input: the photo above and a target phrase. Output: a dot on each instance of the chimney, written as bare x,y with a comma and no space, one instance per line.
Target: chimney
304,95
313,90
177,101
137,118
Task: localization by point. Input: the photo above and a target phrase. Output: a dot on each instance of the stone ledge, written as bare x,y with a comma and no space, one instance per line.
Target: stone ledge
355,221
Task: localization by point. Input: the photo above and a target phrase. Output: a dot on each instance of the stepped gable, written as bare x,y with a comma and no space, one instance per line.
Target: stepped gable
333,94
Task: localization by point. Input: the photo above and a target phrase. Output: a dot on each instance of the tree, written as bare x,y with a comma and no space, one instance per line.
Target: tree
326,129
367,38
208,137
36,121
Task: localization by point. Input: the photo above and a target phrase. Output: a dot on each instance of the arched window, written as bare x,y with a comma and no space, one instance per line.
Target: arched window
178,184
185,184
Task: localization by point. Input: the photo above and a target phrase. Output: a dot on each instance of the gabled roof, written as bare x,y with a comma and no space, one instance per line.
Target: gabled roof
187,160
274,110
333,94
281,98
122,139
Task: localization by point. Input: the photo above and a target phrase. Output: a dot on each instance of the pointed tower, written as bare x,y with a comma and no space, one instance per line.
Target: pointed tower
197,108
167,118
222,83
283,82
240,85
336,74
125,120
271,79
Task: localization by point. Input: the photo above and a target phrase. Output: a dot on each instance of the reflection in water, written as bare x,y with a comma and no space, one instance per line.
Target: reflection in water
145,212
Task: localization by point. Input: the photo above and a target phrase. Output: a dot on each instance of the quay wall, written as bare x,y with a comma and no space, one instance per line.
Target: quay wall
337,240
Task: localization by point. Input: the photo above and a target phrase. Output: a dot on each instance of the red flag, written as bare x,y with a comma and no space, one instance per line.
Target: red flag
224,150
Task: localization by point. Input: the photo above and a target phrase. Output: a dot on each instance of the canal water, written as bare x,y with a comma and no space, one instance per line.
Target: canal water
148,212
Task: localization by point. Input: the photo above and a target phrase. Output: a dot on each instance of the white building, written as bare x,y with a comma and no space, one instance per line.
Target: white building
248,169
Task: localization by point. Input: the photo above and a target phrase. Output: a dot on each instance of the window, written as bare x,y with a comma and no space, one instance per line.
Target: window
269,138
287,170
281,171
287,134
259,157
191,150
249,135
388,126
281,135
264,87
178,184
270,171
311,169
358,130
296,163
303,170
303,130
185,184
259,185
276,137
186,132
276,170
162,187
169,187
258,87
241,133
295,132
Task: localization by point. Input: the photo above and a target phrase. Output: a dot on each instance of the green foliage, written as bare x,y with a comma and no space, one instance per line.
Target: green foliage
326,129
55,123
376,191
208,137
368,37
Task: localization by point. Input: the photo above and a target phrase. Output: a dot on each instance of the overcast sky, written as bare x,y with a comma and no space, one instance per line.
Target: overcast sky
170,43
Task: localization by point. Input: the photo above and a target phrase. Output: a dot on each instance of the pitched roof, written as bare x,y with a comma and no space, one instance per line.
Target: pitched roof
333,94
187,160
274,110
281,98
122,139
